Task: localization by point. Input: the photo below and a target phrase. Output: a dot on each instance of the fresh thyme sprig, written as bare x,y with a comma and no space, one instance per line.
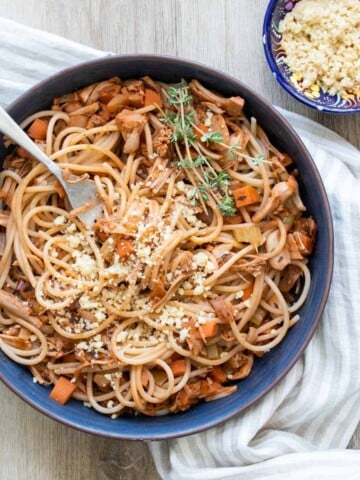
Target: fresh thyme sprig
178,94
227,206
198,193
214,137
182,127
232,150
257,160
211,183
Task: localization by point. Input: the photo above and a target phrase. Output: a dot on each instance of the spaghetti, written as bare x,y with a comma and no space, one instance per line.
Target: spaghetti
197,265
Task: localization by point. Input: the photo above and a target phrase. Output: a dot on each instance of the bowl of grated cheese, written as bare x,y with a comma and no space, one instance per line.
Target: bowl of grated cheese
313,50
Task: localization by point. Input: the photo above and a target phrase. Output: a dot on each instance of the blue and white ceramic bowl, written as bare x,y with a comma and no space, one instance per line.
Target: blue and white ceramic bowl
313,97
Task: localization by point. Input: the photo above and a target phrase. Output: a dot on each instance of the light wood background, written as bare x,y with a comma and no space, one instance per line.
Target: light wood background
222,33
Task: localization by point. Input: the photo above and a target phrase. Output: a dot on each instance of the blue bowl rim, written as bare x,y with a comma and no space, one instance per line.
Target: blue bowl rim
279,77
180,432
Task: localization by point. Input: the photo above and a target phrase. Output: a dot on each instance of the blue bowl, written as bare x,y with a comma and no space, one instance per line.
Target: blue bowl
269,369
275,56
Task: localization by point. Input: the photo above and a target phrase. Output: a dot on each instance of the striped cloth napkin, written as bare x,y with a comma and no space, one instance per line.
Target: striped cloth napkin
299,430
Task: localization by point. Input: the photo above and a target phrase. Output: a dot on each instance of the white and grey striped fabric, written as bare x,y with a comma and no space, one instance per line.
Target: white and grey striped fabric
300,430
28,56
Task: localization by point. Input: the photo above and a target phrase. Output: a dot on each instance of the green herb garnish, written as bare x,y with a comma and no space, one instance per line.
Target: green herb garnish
213,137
257,160
206,181
227,206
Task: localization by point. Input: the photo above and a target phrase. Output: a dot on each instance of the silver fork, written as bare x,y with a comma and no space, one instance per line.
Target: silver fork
80,193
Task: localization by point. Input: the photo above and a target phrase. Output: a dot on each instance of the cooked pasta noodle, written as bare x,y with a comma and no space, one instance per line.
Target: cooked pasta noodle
197,264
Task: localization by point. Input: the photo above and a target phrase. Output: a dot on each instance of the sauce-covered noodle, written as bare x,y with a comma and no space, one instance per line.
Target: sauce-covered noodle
197,264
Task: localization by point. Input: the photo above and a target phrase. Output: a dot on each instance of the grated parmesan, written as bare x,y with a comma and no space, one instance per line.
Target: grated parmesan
321,40
60,220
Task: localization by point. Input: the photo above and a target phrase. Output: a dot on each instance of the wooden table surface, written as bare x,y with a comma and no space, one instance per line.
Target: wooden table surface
222,33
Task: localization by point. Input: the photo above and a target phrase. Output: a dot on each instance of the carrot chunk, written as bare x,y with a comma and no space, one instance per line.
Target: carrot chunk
247,292
124,248
246,195
178,367
218,374
209,329
152,97
63,390
38,129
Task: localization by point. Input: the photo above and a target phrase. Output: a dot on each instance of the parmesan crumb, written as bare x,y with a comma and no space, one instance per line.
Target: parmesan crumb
71,228
85,264
60,220
184,333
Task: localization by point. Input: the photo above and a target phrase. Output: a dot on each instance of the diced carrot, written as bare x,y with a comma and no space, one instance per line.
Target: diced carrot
209,329
247,292
124,248
246,195
178,367
38,129
63,390
218,374
152,97
144,378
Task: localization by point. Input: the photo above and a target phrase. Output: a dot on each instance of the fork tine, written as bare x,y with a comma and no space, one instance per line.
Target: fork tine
82,193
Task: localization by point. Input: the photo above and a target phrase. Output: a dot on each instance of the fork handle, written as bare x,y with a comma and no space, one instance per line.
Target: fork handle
10,128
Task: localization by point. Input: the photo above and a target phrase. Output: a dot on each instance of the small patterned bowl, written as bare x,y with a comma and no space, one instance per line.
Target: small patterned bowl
313,97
